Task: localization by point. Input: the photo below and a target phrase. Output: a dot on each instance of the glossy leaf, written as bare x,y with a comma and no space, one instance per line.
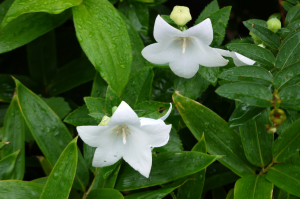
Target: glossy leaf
60,181
15,189
263,33
159,193
286,5
290,97
292,15
104,38
109,181
14,132
137,45
209,9
192,162
27,27
139,87
209,73
51,134
6,88
111,100
253,74
219,138
137,13
99,87
289,76
152,109
105,194
48,6
286,177
287,143
292,116
42,61
257,143
3,144
289,51
253,186
219,179
259,54
193,188
96,105
58,105
230,194
243,113
71,75
191,88
80,117
88,153
293,160
3,110
7,165
47,167
253,94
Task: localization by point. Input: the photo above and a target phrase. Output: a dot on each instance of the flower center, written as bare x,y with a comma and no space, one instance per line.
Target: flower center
185,42
122,129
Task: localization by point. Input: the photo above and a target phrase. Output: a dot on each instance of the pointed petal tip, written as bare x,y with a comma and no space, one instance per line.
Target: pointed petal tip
167,114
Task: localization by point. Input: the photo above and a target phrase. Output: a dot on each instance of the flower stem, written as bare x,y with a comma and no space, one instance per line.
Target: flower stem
90,188
265,170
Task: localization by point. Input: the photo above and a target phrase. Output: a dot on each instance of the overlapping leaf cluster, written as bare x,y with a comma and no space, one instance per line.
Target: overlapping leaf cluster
206,157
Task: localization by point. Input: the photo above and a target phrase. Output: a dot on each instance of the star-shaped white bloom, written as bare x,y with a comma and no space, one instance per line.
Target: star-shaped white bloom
127,136
183,51
238,59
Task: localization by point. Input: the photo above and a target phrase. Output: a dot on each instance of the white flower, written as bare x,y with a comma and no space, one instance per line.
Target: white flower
181,15
238,59
128,136
183,51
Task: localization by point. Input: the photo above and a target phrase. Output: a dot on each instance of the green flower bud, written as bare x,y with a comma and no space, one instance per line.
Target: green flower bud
255,38
274,24
261,45
114,109
181,15
104,121
277,116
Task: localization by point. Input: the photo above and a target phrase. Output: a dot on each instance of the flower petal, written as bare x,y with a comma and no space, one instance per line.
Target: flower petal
124,115
167,114
202,31
147,121
137,154
110,153
156,53
165,33
95,136
241,60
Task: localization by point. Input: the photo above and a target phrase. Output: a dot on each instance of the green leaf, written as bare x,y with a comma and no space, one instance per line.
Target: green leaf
292,15
230,194
152,109
47,167
253,94
14,132
137,13
139,87
208,10
253,186
219,138
2,144
104,38
71,75
286,5
51,135
96,105
257,143
191,88
15,189
58,105
263,33
253,74
287,143
290,97
42,181
193,188
48,6
159,193
292,116
137,45
293,160
99,87
105,194
3,110
181,164
219,193
60,181
80,117
289,51
209,73
88,153
289,76
259,54
42,62
7,165
111,100
243,113
27,27
286,177
102,181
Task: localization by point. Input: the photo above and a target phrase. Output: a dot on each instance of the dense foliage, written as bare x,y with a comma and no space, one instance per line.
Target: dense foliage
235,128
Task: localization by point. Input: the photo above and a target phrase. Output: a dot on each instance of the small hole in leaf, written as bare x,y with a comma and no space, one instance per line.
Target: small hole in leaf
161,110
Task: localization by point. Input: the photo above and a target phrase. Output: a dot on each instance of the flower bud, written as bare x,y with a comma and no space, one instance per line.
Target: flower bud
274,24
255,38
262,45
181,15
104,121
277,116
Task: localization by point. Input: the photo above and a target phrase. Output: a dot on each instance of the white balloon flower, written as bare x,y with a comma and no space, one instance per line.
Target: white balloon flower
238,59
127,136
183,50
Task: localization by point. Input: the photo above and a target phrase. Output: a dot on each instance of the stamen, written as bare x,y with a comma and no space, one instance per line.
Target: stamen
183,45
124,135
122,129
